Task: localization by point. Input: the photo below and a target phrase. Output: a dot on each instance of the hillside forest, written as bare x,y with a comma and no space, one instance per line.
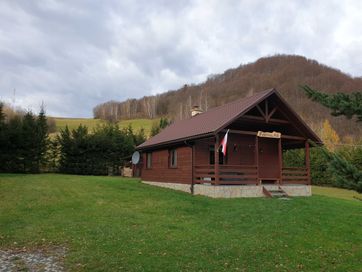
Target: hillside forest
286,73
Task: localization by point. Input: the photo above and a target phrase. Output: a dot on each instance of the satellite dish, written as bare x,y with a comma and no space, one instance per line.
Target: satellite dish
136,157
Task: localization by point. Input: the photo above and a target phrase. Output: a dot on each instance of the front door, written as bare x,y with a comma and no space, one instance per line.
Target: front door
269,169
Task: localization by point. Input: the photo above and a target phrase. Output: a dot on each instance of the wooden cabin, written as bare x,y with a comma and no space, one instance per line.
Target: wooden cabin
186,155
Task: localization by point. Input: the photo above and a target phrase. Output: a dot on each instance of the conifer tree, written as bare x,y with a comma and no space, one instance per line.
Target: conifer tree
99,153
164,122
140,137
3,138
349,105
28,145
157,127
41,137
13,149
53,155
346,175
66,146
23,142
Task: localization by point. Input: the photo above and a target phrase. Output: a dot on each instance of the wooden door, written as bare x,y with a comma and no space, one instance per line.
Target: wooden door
268,160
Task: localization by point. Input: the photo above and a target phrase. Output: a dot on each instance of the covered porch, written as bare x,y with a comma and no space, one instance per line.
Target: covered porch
253,158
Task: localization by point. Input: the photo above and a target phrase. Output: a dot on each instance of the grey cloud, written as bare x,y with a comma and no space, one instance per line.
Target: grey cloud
75,54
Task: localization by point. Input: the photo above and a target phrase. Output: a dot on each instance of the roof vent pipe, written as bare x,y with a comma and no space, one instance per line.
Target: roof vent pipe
195,110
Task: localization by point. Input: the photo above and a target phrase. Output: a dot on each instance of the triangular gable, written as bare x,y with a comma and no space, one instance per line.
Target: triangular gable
283,108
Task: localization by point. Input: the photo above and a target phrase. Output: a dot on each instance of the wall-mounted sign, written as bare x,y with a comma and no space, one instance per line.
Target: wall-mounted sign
273,134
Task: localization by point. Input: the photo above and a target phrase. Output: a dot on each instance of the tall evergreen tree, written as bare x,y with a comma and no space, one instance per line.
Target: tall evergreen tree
29,144
53,155
3,138
140,137
66,147
23,142
346,175
41,138
164,122
12,156
349,105
157,127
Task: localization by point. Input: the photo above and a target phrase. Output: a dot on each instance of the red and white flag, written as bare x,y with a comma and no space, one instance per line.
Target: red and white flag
224,143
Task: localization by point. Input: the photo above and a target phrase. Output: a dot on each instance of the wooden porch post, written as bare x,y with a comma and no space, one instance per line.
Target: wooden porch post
280,158
257,159
193,169
307,161
216,159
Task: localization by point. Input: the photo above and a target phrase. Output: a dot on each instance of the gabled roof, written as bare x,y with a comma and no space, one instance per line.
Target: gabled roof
215,119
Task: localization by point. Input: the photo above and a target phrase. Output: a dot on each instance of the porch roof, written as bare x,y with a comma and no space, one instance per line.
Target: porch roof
215,119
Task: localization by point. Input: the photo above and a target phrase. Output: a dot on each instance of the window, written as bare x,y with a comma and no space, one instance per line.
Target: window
148,160
222,159
173,158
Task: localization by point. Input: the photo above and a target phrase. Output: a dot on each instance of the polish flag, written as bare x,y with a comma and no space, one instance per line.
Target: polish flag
224,143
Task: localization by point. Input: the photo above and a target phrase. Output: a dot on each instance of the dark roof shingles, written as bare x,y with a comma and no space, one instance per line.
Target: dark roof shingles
207,122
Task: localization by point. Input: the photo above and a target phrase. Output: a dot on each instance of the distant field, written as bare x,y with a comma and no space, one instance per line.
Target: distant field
91,123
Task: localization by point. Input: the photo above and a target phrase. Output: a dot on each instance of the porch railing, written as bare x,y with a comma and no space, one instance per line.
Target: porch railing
246,175
228,174
295,175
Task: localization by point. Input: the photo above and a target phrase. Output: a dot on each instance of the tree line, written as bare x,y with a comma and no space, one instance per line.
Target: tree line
25,146
101,152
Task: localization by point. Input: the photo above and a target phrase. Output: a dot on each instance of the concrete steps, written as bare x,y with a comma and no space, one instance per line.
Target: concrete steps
274,191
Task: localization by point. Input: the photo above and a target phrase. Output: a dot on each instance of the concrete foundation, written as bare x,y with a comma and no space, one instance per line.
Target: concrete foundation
228,191
233,191
297,190
176,186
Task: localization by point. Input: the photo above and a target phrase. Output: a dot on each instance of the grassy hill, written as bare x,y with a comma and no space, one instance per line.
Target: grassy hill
117,224
91,123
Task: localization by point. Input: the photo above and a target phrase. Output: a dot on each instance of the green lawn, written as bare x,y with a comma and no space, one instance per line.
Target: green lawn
91,123
337,192
116,224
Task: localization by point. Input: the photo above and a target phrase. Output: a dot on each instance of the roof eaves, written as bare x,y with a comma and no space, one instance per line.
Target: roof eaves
175,141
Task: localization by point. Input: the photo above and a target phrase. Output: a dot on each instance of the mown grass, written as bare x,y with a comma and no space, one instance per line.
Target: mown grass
91,123
118,224
337,192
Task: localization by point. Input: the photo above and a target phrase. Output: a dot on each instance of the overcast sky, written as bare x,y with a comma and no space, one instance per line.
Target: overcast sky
75,54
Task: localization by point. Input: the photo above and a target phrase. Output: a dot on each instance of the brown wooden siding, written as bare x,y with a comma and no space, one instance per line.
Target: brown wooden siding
244,151
202,152
160,170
